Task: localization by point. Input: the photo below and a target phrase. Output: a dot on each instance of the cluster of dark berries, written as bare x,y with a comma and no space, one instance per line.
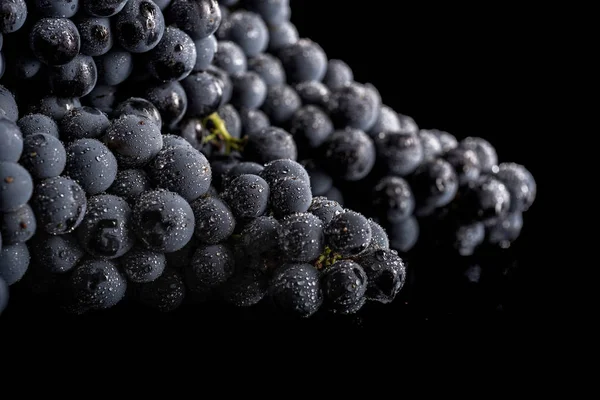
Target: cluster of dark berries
192,150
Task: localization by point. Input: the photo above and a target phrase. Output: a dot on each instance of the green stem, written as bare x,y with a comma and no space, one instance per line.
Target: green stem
219,135
327,258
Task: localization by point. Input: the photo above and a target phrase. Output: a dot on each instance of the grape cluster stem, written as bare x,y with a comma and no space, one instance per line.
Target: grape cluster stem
219,136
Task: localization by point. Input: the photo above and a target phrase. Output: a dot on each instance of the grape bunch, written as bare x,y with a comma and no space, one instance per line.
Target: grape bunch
176,151
360,151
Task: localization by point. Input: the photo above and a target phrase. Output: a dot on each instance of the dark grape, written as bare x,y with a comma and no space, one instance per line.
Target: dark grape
76,78
379,237
59,204
313,93
465,163
269,68
129,184
320,181
249,91
283,168
96,35
403,235
352,106
387,121
447,140
295,290
134,140
182,170
197,18
37,123
103,8
174,57
56,254
91,164
281,104
247,30
488,158
182,258
205,52
245,288
83,123
212,265
193,132
260,236
97,285
102,97
16,186
55,41
325,209
273,11
163,220
224,81
105,231
311,127
301,237
289,196
139,107
432,147
214,220
338,74
57,8
269,144
220,165
14,262
11,139
18,226
282,35
231,119
114,67
54,107
247,196
8,105
399,153
349,154
348,233
252,121
386,274
143,266
204,92
139,26
434,185
520,183
170,100
244,167
393,199
504,231
303,61
344,286
13,14
230,58
486,200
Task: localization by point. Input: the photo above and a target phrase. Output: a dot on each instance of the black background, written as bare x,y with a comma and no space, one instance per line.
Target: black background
469,71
